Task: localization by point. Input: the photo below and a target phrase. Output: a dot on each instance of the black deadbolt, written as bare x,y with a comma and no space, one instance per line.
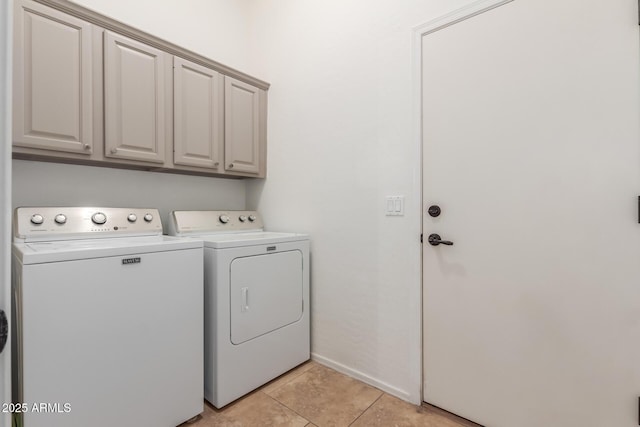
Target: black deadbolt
434,210
4,330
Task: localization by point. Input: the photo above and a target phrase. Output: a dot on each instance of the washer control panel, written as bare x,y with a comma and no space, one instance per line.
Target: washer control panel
55,223
185,222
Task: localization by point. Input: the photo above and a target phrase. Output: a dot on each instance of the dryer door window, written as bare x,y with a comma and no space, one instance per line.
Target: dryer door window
266,294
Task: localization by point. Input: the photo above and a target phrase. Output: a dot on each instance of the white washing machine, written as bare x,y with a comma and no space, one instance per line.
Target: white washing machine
109,319
256,300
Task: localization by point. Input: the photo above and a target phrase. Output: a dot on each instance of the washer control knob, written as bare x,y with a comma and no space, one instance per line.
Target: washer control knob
242,218
148,217
60,219
132,217
99,218
252,218
224,218
37,219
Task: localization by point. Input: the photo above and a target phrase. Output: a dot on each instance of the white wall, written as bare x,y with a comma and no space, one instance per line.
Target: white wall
217,29
340,140
52,184
214,28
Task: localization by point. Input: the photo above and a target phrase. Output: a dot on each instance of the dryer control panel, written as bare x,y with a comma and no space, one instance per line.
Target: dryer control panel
60,223
188,222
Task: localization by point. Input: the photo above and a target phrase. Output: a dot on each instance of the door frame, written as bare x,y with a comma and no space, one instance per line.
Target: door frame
6,37
470,10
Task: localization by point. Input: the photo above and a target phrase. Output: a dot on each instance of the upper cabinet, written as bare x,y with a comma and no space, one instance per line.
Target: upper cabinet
53,80
91,90
134,106
242,121
198,95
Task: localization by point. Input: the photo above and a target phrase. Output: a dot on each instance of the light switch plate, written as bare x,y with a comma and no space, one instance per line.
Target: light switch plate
394,206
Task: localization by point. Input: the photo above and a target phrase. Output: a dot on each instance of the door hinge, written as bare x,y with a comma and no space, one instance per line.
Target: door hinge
420,238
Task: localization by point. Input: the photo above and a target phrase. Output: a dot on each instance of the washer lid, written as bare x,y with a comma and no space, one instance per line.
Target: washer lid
235,240
70,250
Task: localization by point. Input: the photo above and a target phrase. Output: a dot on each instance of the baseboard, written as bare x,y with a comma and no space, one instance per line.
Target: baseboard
394,391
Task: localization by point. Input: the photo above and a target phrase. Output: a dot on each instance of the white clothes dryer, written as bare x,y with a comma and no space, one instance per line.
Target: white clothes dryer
109,319
256,300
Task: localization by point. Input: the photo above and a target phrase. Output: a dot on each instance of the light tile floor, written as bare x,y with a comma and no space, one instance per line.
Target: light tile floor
315,395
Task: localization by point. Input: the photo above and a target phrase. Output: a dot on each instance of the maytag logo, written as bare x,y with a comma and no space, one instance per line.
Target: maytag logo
135,260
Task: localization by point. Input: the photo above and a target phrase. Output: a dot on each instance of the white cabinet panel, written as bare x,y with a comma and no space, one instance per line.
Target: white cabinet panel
198,114
134,85
52,81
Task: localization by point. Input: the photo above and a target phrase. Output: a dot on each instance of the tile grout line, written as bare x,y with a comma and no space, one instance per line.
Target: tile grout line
287,382
292,410
368,407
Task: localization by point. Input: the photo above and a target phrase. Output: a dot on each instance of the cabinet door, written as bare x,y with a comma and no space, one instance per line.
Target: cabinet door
52,102
242,127
197,114
133,100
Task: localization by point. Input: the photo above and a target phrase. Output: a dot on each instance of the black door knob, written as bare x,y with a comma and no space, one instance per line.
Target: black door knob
435,240
4,330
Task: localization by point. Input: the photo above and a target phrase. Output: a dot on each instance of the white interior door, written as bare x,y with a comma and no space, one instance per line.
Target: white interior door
5,195
531,150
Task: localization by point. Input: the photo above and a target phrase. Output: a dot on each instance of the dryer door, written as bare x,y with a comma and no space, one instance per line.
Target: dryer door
266,294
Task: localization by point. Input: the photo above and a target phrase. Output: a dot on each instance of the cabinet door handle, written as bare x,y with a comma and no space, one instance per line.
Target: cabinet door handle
87,147
230,166
114,150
